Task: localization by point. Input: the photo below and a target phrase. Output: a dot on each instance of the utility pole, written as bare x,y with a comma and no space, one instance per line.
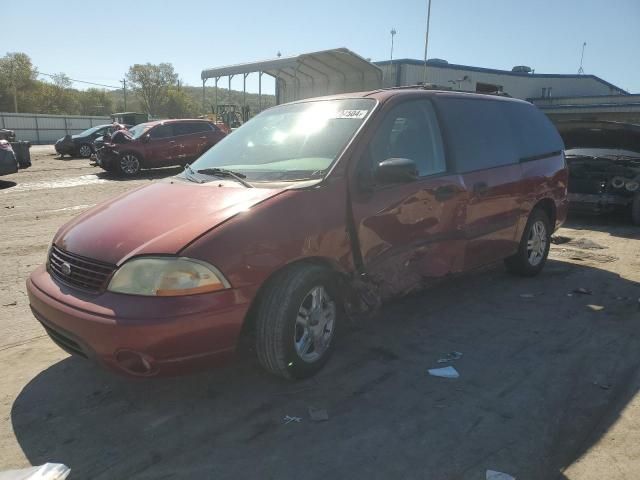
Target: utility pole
581,70
124,92
426,43
393,33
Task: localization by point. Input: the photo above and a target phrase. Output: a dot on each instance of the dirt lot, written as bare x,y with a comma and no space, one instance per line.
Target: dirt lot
547,388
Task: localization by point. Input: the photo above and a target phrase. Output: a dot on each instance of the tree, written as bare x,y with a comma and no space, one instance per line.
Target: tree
179,104
95,102
151,83
16,74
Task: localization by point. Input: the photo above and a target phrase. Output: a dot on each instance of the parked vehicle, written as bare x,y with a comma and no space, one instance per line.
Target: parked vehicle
8,135
309,212
604,166
159,144
8,161
82,144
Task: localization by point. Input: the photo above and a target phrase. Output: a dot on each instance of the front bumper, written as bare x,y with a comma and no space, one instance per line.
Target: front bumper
107,159
140,336
602,202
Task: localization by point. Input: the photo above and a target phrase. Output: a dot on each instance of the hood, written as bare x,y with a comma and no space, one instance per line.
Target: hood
161,218
602,134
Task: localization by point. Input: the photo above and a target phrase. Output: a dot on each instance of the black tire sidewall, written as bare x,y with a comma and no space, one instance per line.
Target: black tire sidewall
635,209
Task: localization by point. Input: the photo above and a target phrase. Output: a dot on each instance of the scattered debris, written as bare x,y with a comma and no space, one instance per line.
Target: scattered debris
450,357
288,419
586,244
318,414
444,372
559,239
11,304
48,471
10,206
527,295
493,475
603,386
595,308
583,291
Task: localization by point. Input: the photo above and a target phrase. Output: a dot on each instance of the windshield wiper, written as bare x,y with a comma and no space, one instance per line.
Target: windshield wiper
222,172
190,174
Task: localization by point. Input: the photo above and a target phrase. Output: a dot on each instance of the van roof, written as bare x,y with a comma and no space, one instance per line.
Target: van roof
384,94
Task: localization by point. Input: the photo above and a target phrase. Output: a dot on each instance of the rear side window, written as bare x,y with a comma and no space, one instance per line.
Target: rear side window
410,130
161,131
535,134
187,128
479,133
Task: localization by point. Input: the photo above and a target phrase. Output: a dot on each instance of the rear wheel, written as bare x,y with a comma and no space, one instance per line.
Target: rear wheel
85,150
129,164
297,318
534,246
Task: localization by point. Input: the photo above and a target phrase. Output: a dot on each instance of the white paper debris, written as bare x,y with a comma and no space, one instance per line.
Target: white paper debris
595,308
445,372
288,419
493,475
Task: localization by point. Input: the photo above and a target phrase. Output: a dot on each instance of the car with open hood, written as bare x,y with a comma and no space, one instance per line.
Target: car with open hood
310,212
604,166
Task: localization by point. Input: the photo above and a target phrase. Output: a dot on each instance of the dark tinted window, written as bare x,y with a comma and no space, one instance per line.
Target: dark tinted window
161,131
479,133
186,128
535,134
410,130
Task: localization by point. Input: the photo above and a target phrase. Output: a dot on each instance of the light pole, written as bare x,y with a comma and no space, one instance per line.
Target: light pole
426,43
393,33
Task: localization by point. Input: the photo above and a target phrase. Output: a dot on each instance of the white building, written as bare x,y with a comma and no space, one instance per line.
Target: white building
521,82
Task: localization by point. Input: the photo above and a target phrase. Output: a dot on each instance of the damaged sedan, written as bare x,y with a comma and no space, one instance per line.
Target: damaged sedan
310,212
604,166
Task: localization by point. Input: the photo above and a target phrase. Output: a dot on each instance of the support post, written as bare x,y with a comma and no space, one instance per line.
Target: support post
204,101
260,91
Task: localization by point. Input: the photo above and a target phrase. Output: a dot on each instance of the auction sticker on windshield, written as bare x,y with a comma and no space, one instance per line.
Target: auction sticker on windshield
352,114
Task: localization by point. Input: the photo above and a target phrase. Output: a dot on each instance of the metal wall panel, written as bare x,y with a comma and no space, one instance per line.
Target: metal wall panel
38,128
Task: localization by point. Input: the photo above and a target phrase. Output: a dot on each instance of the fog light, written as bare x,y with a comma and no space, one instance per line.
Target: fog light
617,182
134,362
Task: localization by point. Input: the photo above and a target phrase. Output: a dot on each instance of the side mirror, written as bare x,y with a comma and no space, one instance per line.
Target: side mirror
146,138
396,170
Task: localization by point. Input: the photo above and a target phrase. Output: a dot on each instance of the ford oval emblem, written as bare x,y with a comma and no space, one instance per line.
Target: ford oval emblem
66,268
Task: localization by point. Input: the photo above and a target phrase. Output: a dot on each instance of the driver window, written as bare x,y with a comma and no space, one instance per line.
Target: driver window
161,131
410,130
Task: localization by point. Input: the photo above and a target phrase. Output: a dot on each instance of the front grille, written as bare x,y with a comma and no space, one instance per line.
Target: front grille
64,342
79,272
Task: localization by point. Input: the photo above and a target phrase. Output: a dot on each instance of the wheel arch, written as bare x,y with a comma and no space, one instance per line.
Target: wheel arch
548,206
248,325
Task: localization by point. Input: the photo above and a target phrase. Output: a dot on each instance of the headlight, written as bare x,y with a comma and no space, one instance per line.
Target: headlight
166,277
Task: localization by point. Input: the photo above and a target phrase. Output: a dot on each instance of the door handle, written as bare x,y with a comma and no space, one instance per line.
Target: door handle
203,138
480,188
445,192
172,141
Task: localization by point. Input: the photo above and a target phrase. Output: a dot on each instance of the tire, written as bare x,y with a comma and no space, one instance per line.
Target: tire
129,164
534,246
85,150
281,324
635,209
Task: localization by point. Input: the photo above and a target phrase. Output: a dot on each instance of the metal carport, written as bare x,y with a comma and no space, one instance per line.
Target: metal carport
303,76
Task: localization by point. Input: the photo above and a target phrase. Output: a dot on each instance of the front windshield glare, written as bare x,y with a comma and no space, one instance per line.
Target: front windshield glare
291,142
138,130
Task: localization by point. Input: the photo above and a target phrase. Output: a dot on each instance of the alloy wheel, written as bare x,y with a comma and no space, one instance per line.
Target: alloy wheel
314,325
129,164
537,243
85,151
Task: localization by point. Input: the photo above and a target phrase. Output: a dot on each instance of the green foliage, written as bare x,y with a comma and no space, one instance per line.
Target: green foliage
154,89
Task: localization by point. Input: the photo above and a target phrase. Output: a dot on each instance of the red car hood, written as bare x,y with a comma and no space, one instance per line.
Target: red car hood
160,218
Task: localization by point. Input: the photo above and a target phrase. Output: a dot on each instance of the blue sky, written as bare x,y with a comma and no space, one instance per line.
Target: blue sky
98,41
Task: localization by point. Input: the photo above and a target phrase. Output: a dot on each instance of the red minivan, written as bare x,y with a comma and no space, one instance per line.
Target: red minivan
161,143
310,212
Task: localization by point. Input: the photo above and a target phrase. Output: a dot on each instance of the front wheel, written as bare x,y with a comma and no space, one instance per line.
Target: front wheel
85,150
129,164
297,318
534,246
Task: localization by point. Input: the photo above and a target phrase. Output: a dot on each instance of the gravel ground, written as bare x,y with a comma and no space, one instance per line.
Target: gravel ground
547,388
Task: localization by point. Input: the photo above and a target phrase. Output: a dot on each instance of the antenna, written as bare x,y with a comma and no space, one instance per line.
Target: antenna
581,70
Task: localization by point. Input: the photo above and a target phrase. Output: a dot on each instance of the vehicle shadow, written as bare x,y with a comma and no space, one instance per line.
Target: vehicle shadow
617,223
151,174
6,184
540,373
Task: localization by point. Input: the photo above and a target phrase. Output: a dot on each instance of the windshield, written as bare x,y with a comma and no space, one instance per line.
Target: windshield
90,131
293,142
138,130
